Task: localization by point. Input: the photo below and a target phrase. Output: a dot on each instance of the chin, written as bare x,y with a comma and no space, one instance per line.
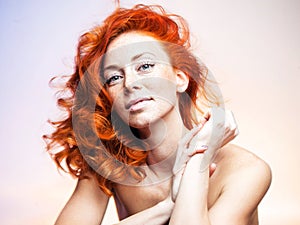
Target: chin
140,124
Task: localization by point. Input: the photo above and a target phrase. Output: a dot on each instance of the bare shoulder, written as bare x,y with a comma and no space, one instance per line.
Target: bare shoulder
236,164
233,159
244,179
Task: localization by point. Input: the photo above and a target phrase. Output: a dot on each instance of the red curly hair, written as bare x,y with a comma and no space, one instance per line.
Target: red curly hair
86,140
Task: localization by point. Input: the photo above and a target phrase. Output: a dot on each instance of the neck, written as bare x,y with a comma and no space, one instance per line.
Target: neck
163,136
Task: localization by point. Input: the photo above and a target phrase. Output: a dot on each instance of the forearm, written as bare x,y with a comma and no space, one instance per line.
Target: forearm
191,202
156,215
86,206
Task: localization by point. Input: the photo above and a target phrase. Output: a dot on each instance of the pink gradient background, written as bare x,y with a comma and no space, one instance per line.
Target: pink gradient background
251,47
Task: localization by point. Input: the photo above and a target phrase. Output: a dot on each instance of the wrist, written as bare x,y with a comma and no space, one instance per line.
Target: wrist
196,175
195,162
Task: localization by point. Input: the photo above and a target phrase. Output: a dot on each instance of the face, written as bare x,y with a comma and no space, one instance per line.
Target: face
140,79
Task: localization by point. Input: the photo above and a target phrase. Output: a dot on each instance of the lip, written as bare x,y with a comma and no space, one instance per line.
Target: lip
133,104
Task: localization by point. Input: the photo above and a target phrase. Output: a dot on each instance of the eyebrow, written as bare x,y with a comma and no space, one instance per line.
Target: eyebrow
134,58
140,55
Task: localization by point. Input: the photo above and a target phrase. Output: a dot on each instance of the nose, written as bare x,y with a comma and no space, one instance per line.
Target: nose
132,80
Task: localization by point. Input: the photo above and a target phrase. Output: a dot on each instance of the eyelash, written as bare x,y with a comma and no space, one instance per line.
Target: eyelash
139,67
111,79
149,64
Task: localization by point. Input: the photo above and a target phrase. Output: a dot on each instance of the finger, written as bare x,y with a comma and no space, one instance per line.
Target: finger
234,124
212,169
184,142
183,157
231,120
207,159
205,117
231,130
201,150
182,153
229,137
201,139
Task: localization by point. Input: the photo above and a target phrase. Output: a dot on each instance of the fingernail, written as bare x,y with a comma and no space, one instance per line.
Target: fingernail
204,147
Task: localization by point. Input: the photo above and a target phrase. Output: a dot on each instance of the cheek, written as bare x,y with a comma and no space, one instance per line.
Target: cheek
118,108
117,99
114,93
164,89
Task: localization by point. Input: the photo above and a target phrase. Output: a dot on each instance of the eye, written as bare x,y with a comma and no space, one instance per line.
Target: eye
114,79
145,67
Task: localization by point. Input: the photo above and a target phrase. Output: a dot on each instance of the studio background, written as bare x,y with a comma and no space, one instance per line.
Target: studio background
251,47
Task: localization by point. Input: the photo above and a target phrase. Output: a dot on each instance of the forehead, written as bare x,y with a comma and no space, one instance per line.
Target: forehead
130,46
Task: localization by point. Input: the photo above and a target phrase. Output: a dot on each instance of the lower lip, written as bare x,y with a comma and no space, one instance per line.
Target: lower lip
139,105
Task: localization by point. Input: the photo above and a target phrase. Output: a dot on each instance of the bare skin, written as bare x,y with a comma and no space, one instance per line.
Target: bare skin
230,196
230,160
226,195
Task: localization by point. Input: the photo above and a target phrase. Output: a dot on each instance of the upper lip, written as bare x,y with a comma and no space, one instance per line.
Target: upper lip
137,100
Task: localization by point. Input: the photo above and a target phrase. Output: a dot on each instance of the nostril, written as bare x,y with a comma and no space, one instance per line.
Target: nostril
128,88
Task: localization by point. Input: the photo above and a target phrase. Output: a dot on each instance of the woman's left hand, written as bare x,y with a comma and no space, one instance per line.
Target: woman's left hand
217,128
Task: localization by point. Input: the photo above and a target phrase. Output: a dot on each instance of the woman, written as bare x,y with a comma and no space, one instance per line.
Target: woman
133,130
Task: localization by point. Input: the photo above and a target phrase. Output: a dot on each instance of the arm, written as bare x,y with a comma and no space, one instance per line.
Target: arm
243,188
160,213
247,179
191,202
88,203
216,129
156,215
86,206
193,190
